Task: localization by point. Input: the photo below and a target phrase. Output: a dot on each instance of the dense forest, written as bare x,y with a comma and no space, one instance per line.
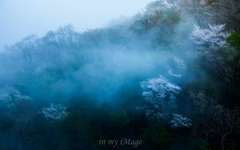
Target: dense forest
167,78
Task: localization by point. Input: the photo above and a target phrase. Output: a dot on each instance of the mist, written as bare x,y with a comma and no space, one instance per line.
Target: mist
22,18
147,75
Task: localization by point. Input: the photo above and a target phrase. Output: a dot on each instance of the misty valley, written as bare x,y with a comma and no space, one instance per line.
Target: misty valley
167,78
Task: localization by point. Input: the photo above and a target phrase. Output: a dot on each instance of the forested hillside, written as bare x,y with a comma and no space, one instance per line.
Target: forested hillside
167,78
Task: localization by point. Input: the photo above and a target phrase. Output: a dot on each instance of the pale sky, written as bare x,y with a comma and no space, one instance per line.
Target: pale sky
21,18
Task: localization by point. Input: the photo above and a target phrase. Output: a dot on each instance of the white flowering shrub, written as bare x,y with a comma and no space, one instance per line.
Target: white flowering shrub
180,121
212,36
157,89
54,111
13,98
161,101
160,97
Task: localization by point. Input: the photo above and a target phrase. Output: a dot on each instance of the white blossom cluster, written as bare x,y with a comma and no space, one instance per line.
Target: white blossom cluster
158,89
180,121
214,36
161,101
160,97
54,111
13,98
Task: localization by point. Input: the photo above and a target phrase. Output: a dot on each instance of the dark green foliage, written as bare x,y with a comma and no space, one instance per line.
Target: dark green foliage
138,121
234,39
157,135
120,117
199,144
80,133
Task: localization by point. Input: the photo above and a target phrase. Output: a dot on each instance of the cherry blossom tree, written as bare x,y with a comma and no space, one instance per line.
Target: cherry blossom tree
212,36
160,96
180,121
54,111
13,98
157,89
